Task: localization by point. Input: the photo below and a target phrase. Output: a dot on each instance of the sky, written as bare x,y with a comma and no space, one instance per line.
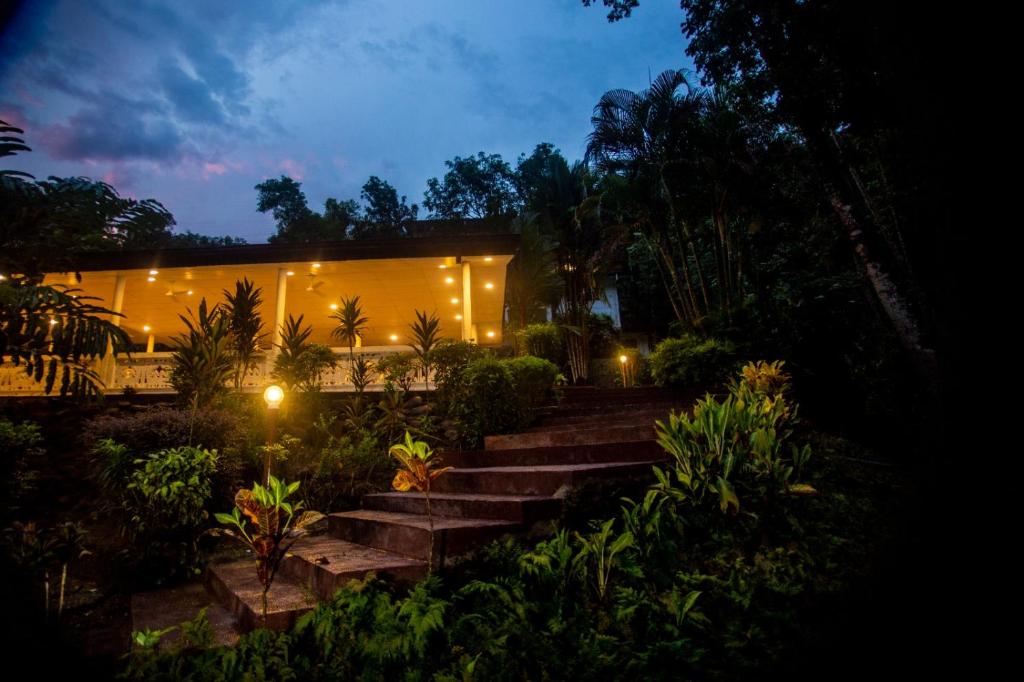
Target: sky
194,102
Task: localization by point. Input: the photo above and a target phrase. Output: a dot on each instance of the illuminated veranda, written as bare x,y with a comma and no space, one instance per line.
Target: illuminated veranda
461,279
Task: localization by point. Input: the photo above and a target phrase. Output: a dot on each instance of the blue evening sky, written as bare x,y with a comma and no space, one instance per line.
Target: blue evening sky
194,102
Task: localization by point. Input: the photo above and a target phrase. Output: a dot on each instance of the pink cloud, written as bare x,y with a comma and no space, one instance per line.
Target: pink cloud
293,168
213,169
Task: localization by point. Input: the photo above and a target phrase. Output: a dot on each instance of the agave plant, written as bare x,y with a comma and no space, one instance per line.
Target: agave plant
417,460
276,525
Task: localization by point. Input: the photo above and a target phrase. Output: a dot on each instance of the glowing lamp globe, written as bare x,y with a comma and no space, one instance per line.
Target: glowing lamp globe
623,359
273,395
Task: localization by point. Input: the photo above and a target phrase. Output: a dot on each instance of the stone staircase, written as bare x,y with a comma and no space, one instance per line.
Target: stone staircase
515,482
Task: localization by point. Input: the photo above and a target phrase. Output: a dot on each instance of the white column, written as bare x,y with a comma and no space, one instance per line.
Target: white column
468,332
282,291
150,343
117,305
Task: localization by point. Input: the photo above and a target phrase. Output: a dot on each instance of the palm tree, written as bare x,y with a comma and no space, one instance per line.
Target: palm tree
571,212
424,337
351,323
245,324
57,333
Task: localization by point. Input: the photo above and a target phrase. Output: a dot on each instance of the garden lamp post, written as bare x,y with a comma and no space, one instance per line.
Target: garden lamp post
623,361
273,395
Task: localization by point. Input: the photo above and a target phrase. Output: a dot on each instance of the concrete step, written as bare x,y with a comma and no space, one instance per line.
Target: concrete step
236,586
582,436
552,480
172,606
618,416
521,509
589,453
583,394
409,534
324,564
606,410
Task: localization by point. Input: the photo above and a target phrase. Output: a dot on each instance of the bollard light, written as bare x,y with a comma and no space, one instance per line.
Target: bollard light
273,395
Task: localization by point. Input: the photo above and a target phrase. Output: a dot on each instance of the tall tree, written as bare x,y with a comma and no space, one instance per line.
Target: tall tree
385,214
296,222
532,281
478,186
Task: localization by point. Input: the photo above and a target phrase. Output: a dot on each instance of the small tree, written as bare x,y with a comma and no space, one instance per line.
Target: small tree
276,525
245,324
300,363
351,323
202,356
417,460
424,338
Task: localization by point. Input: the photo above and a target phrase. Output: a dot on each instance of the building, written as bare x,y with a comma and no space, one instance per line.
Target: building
460,278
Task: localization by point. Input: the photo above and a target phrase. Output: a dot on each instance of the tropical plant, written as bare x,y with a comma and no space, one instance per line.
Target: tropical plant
531,281
418,470
202,362
689,361
397,370
299,363
533,380
351,323
54,331
11,143
486,403
425,331
22,448
449,359
276,525
361,374
542,340
245,324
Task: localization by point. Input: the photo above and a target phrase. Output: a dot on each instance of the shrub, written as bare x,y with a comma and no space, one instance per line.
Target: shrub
533,380
542,340
165,508
449,360
486,402
689,361
21,447
398,371
163,426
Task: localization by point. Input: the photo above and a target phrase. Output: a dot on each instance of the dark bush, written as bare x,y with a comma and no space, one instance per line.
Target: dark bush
449,360
21,448
163,426
486,403
533,380
542,340
689,361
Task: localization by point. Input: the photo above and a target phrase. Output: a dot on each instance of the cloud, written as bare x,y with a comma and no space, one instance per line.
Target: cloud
191,98
114,128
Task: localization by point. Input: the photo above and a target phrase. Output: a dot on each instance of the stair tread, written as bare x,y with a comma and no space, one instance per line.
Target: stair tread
467,496
420,520
285,596
589,466
348,557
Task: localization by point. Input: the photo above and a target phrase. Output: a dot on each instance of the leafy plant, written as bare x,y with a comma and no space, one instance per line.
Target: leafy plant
202,362
533,380
417,471
245,325
542,340
424,337
688,361
299,363
22,448
268,524
397,369
351,323
360,374
486,404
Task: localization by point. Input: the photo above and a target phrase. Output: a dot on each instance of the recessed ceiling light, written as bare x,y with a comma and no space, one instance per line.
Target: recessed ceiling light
154,272
189,292
490,335
459,316
146,327
489,285
290,273
488,259
151,279
442,266
316,265
334,306
449,280
394,337
455,300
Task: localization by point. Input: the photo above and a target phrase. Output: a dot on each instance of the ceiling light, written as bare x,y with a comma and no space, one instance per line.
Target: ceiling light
154,272
489,285
189,292
394,337
2,278
455,300
146,327
490,335
488,259
334,306
151,279
316,265
449,280
459,316
442,266
290,273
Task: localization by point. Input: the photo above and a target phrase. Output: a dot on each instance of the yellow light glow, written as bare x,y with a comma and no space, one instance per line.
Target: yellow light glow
489,285
2,278
449,280
188,293
442,266
316,265
154,272
151,278
487,259
490,335
52,321
623,359
455,300
393,337
273,394
290,273
334,306
146,327
459,316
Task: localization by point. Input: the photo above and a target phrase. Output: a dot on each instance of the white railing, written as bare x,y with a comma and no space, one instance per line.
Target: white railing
151,373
